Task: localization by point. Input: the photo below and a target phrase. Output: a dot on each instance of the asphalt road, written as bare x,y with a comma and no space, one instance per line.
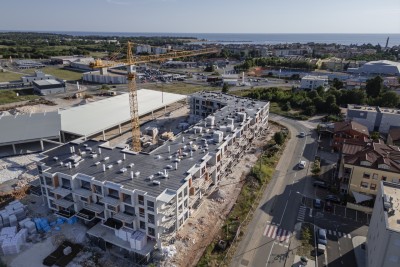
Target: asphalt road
266,243
340,231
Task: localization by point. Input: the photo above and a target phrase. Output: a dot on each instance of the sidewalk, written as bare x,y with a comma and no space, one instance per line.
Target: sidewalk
361,255
294,261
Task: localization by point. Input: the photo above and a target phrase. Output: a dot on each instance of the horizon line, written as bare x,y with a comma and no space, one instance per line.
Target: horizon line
87,31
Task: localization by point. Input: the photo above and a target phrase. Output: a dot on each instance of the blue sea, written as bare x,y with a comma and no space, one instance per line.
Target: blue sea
259,38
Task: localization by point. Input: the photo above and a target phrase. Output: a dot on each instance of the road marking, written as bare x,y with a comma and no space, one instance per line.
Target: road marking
274,233
288,237
266,229
278,234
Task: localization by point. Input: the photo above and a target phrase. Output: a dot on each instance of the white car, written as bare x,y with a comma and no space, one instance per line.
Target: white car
302,134
302,164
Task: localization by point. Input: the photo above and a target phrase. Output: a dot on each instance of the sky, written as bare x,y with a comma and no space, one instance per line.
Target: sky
202,16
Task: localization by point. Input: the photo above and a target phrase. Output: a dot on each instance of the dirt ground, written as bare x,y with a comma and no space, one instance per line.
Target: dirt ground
205,223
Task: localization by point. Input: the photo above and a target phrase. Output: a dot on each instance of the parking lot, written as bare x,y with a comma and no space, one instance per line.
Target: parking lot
340,210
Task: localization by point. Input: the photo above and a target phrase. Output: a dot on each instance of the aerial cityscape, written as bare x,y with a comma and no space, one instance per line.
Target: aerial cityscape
176,133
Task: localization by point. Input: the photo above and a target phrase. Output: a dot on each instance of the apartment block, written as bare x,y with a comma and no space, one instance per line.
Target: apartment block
310,82
383,239
374,118
121,194
362,172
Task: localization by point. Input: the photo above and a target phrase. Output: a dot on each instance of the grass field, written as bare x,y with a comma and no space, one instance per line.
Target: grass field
178,88
9,96
59,73
9,76
98,54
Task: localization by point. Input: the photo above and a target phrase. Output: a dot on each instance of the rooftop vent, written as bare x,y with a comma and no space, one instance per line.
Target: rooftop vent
106,158
93,156
151,177
119,161
97,163
109,166
137,174
156,182
55,158
131,165
123,170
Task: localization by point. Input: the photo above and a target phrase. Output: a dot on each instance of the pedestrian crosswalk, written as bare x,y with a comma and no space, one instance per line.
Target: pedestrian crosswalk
277,233
302,213
338,234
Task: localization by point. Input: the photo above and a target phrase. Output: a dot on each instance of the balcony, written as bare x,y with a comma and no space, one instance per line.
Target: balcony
83,192
65,213
94,207
168,223
63,192
113,223
124,217
86,214
169,210
110,201
64,203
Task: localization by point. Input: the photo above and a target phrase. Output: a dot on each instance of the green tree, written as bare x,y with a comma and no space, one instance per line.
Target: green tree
389,99
337,83
375,136
374,87
286,106
209,68
225,88
279,138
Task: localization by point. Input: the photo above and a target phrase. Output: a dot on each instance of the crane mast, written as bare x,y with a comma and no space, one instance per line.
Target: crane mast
130,62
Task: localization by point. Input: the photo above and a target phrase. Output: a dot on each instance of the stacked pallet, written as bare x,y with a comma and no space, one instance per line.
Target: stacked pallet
14,212
11,242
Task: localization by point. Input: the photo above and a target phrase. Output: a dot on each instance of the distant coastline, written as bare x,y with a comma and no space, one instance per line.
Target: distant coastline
256,38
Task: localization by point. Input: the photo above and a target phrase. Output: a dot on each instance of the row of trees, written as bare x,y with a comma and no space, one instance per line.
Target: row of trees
321,101
45,45
274,62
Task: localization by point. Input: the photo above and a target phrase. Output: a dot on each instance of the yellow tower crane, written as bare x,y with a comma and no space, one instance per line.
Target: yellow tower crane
130,61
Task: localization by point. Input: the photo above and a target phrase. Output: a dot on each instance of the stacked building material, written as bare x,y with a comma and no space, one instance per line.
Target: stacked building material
11,241
15,211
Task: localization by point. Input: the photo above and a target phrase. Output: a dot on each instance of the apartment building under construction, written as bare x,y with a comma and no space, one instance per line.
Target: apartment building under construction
133,202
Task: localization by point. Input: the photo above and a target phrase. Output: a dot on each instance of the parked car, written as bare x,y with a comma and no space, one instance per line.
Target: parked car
302,164
333,198
320,184
302,134
321,235
328,206
317,203
321,249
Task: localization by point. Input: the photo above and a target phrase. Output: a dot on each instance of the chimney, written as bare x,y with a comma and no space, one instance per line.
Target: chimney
183,139
132,175
169,149
176,165
99,150
73,149
191,153
70,149
104,167
69,165
124,156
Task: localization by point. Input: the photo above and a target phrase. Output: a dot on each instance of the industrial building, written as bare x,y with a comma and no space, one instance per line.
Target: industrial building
383,239
48,87
37,76
380,67
310,82
27,133
137,201
374,118
28,64
97,118
98,77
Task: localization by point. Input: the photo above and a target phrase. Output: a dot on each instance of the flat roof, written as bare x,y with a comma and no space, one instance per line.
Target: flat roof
92,118
29,127
162,159
392,191
47,82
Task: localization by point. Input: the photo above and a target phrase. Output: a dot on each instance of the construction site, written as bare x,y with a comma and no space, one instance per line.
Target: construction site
136,178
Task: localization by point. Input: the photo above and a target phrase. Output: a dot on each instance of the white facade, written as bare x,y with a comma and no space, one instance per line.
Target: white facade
374,118
82,63
96,77
313,82
383,240
380,67
37,76
143,49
